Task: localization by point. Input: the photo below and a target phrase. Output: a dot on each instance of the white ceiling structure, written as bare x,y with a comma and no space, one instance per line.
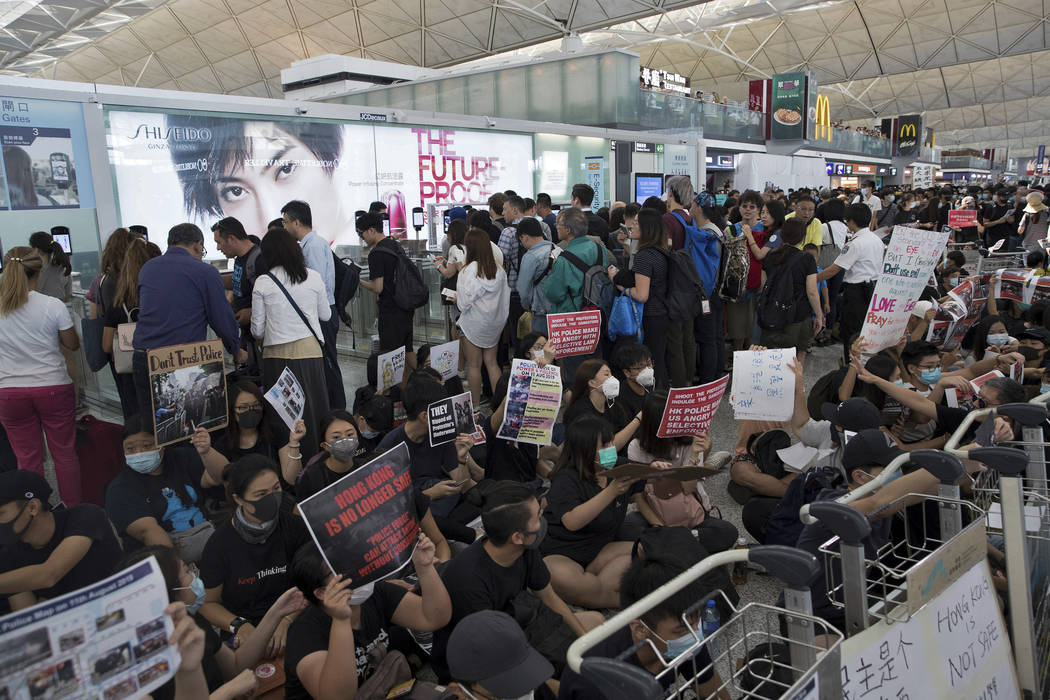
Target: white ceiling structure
973,67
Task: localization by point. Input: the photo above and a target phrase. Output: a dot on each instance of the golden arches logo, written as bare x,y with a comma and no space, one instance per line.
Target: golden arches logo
907,130
823,129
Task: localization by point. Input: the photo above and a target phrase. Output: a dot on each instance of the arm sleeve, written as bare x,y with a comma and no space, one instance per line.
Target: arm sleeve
124,505
555,286
508,245
565,494
848,257
324,310
63,321
526,273
213,573
219,312
259,308
87,520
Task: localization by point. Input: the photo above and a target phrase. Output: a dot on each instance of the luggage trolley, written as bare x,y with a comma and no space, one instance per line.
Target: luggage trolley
877,588
996,260
760,652
1016,486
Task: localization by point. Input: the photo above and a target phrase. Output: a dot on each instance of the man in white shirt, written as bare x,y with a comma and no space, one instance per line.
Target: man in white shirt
861,258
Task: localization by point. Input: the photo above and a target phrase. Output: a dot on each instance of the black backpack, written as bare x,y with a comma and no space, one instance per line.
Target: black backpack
685,291
784,526
347,279
409,291
762,450
598,290
777,304
678,543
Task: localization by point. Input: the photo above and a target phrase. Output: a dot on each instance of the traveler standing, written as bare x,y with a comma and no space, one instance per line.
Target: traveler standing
232,241
513,213
784,309
741,313
998,218
35,389
55,278
546,213
535,266
123,308
582,199
395,324
707,256
298,221
101,294
483,298
1033,225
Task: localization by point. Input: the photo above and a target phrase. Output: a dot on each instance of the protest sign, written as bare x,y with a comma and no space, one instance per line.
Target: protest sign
910,259
689,411
939,330
965,291
444,359
106,640
983,379
763,385
574,333
962,217
366,524
391,367
450,417
187,386
533,398
1037,290
1010,284
287,397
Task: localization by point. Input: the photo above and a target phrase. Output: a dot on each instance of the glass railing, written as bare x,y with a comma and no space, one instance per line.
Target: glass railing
930,155
964,162
660,111
856,142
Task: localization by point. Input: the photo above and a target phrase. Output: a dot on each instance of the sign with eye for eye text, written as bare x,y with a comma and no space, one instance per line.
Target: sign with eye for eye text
574,333
689,411
763,384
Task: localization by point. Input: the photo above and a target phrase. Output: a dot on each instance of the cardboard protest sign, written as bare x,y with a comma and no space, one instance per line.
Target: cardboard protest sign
910,259
366,524
962,217
287,397
450,417
444,359
763,385
391,367
575,333
187,385
533,398
1010,284
689,411
106,640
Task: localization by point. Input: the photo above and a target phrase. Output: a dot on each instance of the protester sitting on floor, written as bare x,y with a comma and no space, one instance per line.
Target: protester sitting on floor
594,393
251,431
49,552
585,512
245,563
156,498
490,657
632,365
373,418
504,571
343,623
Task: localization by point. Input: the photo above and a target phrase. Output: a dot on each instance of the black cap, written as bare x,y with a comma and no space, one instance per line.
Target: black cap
854,414
489,648
22,485
1037,333
869,448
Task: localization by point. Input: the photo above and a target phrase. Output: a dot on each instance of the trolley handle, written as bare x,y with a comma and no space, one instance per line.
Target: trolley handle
849,524
793,566
946,467
1008,461
953,442
885,476
1027,414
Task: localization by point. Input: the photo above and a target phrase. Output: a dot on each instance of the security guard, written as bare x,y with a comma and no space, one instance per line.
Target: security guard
861,258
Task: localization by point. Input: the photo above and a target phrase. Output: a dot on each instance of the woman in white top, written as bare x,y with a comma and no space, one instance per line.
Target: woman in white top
35,389
287,340
483,298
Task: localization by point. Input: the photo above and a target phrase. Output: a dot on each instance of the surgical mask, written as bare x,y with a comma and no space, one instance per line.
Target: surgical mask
369,434
930,376
1024,306
675,647
250,419
343,449
607,457
864,191
8,536
540,534
197,588
998,339
611,388
537,355
265,509
647,378
143,462
893,198
361,594
1043,388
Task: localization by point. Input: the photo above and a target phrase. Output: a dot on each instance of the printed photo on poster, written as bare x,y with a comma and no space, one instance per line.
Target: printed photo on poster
365,524
391,368
533,398
38,167
449,418
1010,284
188,389
444,359
287,397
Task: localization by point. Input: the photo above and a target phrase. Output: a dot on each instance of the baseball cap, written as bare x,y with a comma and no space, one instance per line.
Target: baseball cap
456,213
1036,333
489,648
854,414
920,308
22,485
869,447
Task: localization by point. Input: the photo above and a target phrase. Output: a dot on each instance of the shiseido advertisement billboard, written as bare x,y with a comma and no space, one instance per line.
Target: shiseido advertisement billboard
171,168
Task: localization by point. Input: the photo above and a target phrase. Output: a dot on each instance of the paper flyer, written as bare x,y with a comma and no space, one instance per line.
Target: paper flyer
108,640
188,389
763,385
1010,284
533,398
444,359
575,333
450,417
287,397
390,368
689,411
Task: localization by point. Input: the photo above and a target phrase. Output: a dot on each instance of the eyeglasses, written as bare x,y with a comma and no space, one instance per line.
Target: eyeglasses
250,407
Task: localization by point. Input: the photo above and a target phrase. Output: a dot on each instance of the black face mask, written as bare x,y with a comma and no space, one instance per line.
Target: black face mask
265,509
8,536
1029,353
540,534
250,419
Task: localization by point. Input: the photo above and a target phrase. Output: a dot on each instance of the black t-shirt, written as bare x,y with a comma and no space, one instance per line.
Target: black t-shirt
575,687
115,316
172,497
309,633
652,263
508,460
245,271
253,576
569,490
628,405
799,265
583,408
994,212
429,465
382,265
230,448
475,582
209,664
83,520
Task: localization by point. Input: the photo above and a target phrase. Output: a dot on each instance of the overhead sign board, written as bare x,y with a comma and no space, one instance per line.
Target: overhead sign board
656,79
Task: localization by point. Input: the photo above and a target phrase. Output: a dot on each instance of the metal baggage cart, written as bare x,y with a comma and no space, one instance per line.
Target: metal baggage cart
987,264
762,651
1014,492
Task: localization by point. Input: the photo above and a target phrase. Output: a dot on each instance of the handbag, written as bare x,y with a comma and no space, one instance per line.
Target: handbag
828,250
306,321
123,349
91,330
626,318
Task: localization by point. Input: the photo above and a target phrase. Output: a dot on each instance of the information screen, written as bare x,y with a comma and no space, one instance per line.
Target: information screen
63,240
648,185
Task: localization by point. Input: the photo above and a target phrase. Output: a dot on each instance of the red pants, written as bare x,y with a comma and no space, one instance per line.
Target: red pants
24,412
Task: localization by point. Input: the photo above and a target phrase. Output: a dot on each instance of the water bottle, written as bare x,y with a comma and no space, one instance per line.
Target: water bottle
709,624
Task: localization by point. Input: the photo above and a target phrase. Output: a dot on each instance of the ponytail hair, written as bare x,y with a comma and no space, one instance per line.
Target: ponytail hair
49,247
21,264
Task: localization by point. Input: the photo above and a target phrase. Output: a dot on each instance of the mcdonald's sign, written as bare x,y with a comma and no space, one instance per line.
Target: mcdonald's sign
909,129
823,128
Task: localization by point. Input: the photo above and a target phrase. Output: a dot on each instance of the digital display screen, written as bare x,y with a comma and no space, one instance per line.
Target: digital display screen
648,185
63,240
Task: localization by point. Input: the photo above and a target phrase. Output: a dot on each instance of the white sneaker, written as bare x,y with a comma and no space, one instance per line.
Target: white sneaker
717,460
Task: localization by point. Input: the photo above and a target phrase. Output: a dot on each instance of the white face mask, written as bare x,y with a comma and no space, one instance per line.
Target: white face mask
361,594
611,388
647,378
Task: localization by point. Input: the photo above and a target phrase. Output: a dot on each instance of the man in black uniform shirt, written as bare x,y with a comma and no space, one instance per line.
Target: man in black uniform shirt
232,241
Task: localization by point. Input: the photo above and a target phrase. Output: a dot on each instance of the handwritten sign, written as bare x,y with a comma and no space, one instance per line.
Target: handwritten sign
763,385
575,333
962,217
909,261
390,368
689,411
187,385
444,359
954,647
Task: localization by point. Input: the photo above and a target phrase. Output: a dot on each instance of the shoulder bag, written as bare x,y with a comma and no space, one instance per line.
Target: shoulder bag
91,329
828,250
123,348
306,321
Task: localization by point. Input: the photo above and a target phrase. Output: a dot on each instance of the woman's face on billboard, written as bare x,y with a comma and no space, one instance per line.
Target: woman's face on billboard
279,170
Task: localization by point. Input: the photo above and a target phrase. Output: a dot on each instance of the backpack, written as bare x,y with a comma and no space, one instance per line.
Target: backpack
678,543
762,450
733,268
347,278
598,290
777,303
784,525
685,291
409,291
